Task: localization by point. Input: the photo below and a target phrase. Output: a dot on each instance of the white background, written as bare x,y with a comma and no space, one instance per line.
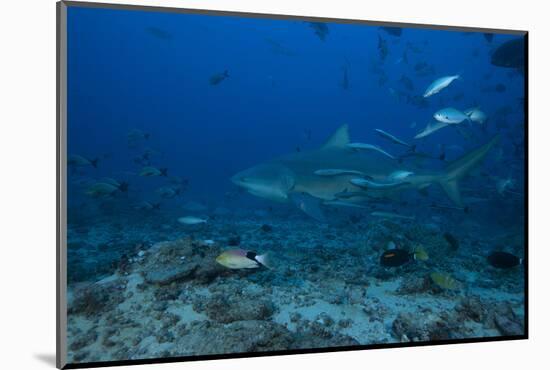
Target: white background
27,183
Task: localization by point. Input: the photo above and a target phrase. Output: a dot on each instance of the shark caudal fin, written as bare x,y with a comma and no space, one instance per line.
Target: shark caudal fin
460,168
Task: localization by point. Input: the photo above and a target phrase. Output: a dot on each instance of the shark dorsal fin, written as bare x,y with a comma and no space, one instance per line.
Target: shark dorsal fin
339,139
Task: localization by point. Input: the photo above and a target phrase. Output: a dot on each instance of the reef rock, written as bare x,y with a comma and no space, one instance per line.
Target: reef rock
181,260
229,308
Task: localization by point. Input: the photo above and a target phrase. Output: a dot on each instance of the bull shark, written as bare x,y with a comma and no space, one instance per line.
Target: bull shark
293,178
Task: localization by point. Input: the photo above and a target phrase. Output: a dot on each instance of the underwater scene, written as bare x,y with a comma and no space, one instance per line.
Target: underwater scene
243,185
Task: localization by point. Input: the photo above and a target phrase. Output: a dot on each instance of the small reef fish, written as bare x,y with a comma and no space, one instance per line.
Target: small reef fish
192,220
399,257
503,260
439,84
320,29
101,189
168,192
337,172
362,146
147,206
399,175
394,31
242,259
476,115
152,171
391,215
392,138
79,161
444,281
369,184
451,116
137,134
430,129
218,78
122,186
382,48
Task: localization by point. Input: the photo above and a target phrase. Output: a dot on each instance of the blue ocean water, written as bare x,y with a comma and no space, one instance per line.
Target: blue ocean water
201,98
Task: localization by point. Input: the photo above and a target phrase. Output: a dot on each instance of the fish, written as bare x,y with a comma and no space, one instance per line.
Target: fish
122,186
439,84
451,116
391,215
152,171
362,146
369,184
510,54
147,206
320,29
430,129
242,259
76,160
337,172
136,134
101,189
398,257
392,138
382,48
476,115
503,260
394,31
159,33
217,78
444,281
291,179
192,220
168,192
488,37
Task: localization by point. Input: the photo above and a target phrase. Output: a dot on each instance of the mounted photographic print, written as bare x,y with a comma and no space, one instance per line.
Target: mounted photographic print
234,184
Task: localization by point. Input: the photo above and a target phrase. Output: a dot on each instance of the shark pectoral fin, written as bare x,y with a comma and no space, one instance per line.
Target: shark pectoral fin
309,205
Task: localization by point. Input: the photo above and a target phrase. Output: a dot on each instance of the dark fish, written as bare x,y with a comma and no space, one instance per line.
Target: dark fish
488,37
394,31
159,33
219,77
511,54
320,29
453,242
345,78
395,258
382,48
407,82
504,260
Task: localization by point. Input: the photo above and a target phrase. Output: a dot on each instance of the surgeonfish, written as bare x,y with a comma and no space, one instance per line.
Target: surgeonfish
451,116
397,257
152,171
503,260
362,146
191,220
439,85
242,259
392,138
444,281
79,161
337,172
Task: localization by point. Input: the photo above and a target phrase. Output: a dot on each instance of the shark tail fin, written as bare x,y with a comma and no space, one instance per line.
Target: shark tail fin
460,168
